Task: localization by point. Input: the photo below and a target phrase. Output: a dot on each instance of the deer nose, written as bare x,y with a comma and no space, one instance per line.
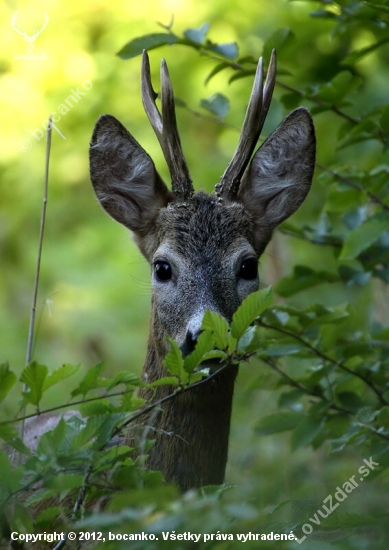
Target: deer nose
190,342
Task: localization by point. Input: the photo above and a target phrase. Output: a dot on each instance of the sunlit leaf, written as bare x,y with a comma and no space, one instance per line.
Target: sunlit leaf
249,310
90,380
34,376
60,374
124,377
165,381
174,362
218,325
205,342
7,380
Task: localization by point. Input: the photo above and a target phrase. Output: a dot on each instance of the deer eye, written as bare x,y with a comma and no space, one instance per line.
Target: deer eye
162,271
249,269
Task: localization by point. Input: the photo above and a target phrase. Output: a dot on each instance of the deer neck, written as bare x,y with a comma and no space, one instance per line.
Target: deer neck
191,430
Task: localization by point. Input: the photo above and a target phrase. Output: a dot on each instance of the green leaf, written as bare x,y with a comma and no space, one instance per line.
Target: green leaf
50,441
306,431
34,376
356,55
251,307
199,35
279,39
66,371
218,326
246,341
384,120
290,100
147,42
65,482
220,67
165,381
93,408
7,380
91,430
217,104
241,74
10,477
265,381
338,88
124,377
174,362
205,343
214,354
365,235
279,350
303,277
10,435
48,517
278,422
90,380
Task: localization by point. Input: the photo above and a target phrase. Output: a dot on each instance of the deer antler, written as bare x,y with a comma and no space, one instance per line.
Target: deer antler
253,123
165,128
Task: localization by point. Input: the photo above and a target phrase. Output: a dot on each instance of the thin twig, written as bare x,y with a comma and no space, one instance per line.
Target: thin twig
40,245
332,108
325,357
106,396
38,263
301,387
353,184
238,67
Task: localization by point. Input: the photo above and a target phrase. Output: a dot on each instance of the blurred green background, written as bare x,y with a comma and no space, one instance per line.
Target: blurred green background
94,292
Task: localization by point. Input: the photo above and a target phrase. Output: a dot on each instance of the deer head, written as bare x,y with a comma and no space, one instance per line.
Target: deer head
203,249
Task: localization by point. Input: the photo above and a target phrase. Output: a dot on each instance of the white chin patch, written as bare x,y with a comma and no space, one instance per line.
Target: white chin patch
208,367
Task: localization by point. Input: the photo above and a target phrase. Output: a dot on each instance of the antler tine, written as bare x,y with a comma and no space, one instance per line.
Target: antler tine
268,90
256,112
181,180
148,99
165,128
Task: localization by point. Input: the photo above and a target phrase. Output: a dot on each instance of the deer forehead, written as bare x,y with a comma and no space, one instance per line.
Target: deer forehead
203,228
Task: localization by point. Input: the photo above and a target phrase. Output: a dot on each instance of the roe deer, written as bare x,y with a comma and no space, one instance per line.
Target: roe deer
203,251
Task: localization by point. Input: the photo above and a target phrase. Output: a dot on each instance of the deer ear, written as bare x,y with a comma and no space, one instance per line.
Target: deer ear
124,177
280,174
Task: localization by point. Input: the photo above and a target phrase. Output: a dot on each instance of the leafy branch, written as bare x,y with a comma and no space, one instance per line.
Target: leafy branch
318,353
294,383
